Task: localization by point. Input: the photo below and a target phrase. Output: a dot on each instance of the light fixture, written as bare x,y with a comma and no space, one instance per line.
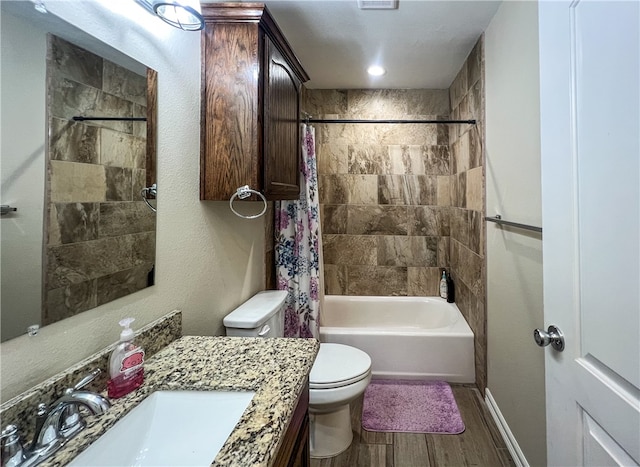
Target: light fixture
183,14
376,70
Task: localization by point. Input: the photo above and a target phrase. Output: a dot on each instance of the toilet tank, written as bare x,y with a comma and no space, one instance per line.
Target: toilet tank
260,316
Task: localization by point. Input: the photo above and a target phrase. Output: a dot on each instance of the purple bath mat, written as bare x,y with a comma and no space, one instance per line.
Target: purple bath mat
411,407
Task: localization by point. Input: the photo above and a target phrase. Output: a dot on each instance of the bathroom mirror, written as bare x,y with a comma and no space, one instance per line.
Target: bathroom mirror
81,234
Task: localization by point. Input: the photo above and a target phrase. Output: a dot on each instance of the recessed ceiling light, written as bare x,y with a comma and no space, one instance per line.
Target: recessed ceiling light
376,70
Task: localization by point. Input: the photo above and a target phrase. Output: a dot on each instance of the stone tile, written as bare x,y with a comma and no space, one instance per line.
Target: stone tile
476,158
121,283
476,101
75,182
79,262
407,189
443,196
77,222
443,133
458,88
118,184
335,279
377,103
139,128
461,188
362,189
143,247
333,218
319,102
476,232
436,160
139,181
377,220
407,251
423,282
122,218
410,134
349,249
463,108
454,130
453,189
428,220
124,83
470,268
475,190
65,302
73,142
377,280
122,150
443,252
462,154
51,227
73,62
333,189
475,63
68,99
459,227
332,158
427,101
369,159
463,296
406,159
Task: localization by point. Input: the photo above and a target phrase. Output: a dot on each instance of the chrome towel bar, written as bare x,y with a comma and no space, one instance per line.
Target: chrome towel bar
498,220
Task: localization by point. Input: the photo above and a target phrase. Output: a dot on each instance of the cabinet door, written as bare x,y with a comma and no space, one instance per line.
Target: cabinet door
281,127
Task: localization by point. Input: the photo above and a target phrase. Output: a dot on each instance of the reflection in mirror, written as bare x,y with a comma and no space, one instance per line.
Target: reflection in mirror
82,235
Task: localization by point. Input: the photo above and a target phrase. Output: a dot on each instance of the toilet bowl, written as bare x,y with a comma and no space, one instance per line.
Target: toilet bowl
339,375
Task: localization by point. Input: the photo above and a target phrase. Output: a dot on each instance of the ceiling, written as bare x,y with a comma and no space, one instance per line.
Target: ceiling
422,44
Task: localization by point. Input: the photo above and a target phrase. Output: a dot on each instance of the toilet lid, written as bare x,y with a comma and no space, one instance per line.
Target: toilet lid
337,365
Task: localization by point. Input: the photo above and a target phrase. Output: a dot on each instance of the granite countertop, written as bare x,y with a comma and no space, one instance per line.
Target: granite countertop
276,369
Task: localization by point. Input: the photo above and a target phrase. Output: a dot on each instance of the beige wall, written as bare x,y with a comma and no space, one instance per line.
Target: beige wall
208,260
514,257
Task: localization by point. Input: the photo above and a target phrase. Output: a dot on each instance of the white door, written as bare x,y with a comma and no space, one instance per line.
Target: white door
590,128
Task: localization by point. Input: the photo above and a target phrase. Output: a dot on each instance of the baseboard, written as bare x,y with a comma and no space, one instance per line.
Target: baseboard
505,431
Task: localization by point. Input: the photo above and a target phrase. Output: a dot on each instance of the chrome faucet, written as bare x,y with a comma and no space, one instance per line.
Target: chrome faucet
54,427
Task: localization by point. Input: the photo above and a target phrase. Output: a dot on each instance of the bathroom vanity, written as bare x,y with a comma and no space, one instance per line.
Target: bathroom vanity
272,431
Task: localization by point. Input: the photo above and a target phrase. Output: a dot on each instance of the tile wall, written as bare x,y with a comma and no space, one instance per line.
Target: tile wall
100,235
384,190
467,249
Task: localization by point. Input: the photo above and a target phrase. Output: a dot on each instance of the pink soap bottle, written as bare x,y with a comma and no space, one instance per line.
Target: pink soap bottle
126,370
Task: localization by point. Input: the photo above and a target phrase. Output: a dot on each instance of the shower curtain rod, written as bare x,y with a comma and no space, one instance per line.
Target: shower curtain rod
322,120
112,119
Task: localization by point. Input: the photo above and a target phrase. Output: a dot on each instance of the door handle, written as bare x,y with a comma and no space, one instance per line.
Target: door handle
552,336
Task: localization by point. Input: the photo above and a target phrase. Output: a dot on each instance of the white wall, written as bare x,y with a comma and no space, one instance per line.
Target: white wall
514,257
208,260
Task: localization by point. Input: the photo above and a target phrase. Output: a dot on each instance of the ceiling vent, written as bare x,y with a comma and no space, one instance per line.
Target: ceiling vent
378,4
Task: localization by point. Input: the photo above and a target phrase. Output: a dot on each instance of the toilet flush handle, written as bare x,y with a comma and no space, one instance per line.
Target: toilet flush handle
265,330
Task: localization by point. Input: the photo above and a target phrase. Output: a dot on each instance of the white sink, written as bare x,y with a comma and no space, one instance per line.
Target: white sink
169,428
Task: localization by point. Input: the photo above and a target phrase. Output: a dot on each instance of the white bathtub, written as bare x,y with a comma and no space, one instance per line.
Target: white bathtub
406,337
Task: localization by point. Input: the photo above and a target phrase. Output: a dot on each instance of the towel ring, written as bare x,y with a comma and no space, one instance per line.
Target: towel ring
242,193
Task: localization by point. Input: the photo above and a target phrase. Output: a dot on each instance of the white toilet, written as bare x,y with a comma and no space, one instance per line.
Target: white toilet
339,375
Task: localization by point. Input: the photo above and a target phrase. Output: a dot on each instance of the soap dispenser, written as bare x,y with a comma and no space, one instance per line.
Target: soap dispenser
126,371
443,285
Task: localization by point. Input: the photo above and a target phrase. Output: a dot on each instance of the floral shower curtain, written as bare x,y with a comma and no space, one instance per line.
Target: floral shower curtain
298,247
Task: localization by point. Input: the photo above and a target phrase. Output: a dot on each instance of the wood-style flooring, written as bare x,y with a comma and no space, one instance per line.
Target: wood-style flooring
479,445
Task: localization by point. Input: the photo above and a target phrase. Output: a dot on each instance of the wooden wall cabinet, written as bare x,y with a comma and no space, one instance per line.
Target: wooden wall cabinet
251,88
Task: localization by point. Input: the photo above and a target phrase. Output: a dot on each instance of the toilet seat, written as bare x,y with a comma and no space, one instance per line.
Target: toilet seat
338,365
